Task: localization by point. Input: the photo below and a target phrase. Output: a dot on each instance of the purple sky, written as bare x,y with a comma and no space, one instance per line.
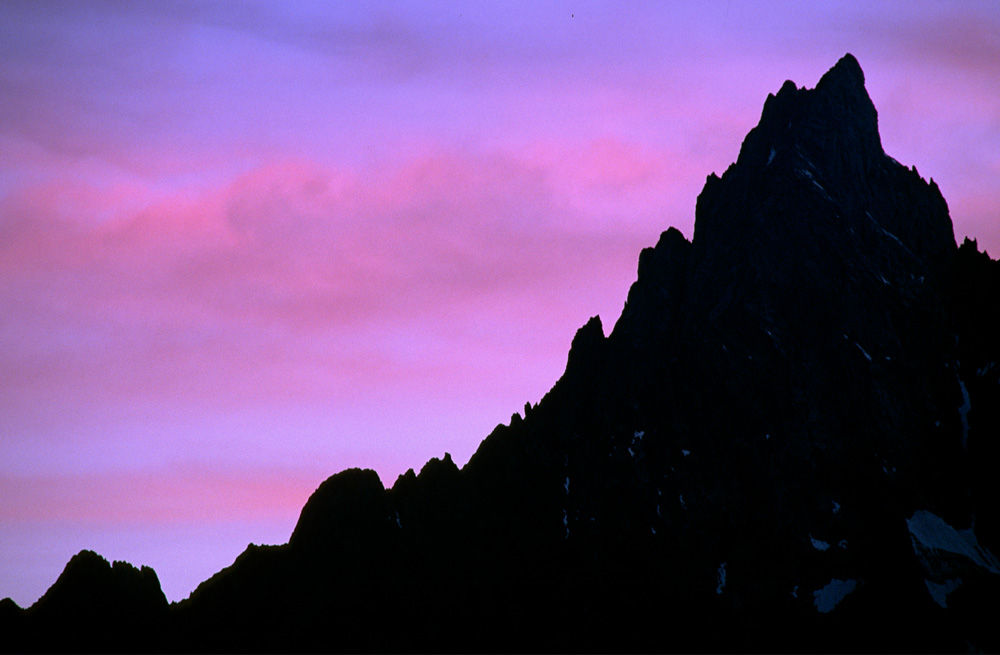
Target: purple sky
244,246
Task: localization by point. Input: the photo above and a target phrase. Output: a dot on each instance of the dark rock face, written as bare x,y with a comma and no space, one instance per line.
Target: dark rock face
93,606
786,443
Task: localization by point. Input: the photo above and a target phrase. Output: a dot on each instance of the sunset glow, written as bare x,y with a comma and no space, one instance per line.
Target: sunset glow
246,245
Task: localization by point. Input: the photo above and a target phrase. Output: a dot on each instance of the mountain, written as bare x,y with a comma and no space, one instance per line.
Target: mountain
786,443
93,606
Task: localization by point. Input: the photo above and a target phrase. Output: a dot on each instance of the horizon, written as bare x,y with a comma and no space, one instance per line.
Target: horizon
246,246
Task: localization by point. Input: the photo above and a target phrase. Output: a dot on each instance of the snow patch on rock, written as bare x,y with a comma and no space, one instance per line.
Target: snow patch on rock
819,544
933,538
947,555
829,597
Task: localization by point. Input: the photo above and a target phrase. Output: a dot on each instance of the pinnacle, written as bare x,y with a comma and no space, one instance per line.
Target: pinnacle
846,72
833,122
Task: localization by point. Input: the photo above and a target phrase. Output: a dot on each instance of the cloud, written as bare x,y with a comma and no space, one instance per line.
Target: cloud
185,494
252,235
299,281
958,37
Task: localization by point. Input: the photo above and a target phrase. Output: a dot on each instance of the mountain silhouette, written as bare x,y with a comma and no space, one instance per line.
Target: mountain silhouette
787,442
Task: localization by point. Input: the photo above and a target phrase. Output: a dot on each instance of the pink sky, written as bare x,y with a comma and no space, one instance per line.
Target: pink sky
244,246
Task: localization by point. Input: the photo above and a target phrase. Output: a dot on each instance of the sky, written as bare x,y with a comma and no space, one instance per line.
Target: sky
246,245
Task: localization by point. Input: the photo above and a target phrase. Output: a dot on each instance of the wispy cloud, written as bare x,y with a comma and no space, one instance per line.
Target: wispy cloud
245,233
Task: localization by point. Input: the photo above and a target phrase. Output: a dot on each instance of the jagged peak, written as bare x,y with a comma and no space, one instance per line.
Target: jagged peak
836,115
9,605
812,181
343,502
846,73
671,243
89,575
587,340
591,332
671,238
586,351
437,467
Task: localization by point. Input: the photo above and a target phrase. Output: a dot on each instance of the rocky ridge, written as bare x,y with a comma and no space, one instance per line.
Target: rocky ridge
786,442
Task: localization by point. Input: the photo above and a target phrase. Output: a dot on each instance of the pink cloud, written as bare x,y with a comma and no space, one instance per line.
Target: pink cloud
247,274
189,494
298,283
960,38
356,236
